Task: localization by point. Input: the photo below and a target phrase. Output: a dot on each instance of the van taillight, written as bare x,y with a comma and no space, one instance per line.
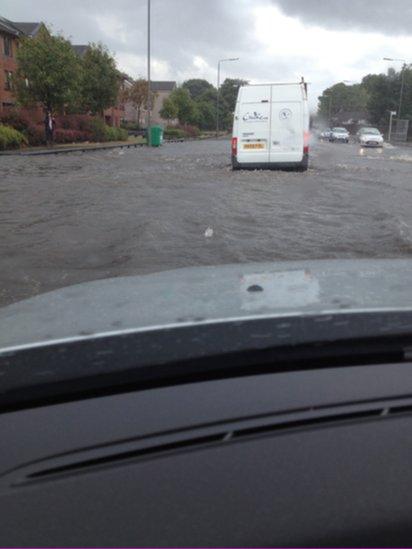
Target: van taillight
306,143
234,146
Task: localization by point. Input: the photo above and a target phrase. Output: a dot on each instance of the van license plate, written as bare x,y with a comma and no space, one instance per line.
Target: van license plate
253,146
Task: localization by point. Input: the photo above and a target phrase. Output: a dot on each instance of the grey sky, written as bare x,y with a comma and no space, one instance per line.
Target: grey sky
389,17
324,40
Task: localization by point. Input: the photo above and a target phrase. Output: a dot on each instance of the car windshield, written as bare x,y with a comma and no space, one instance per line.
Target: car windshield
371,131
193,150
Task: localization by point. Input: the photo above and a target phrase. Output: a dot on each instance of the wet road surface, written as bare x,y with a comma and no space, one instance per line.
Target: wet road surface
72,218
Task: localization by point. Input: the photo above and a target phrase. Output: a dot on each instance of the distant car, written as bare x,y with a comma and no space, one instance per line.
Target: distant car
370,137
339,134
325,134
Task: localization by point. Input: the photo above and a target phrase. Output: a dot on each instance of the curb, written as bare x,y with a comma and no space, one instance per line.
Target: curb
70,149
43,152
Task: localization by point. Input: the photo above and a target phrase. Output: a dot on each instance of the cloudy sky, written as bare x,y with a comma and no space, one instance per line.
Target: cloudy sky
326,41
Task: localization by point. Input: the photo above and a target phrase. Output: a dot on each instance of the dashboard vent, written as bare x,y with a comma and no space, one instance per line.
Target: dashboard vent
115,454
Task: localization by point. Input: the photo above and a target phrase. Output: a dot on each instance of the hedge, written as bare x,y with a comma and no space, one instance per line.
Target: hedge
174,133
185,130
11,138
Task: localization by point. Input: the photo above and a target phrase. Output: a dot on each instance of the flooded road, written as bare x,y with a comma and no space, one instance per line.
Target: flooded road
72,218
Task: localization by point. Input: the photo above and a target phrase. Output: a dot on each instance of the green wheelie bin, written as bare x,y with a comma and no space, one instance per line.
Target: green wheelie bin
156,136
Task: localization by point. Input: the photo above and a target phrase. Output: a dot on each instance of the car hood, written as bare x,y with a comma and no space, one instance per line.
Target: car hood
371,136
207,294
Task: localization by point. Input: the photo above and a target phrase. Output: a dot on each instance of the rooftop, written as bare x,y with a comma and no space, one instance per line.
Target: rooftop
80,49
8,26
19,28
162,85
29,29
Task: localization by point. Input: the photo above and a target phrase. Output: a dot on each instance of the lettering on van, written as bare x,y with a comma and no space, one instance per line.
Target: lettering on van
255,117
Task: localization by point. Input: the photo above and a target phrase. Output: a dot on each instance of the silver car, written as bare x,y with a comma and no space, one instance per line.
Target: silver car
370,137
339,134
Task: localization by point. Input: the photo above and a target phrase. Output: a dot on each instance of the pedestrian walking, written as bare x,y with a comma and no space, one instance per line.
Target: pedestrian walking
49,125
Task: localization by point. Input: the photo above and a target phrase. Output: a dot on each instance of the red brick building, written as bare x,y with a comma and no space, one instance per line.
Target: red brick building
10,32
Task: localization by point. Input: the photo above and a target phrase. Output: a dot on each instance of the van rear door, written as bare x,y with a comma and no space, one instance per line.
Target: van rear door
253,123
287,128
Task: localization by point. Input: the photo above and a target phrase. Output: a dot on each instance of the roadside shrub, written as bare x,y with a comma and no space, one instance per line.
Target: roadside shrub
62,135
191,131
80,122
181,130
175,133
132,126
102,132
122,134
15,120
116,134
11,138
76,129
98,130
35,135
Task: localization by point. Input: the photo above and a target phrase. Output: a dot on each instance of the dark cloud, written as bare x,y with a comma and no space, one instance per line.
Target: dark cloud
385,16
181,29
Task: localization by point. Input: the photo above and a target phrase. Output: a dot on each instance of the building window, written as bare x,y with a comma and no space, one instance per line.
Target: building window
8,46
8,84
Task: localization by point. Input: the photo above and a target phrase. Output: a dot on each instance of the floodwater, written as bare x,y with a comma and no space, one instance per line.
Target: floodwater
77,217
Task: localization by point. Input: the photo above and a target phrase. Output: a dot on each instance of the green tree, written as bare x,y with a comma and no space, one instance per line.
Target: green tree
100,80
227,96
206,115
340,98
384,92
169,110
184,104
196,87
208,96
48,71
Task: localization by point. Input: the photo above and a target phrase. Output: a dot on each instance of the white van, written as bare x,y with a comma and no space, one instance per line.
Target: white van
271,127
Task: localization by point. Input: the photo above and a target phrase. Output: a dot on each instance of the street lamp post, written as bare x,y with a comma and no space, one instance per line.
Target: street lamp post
218,87
149,95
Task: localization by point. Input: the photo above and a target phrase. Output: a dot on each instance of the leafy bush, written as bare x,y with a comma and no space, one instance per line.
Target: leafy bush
191,131
76,129
116,134
15,120
174,133
133,126
80,122
180,131
36,135
98,130
102,132
70,136
11,138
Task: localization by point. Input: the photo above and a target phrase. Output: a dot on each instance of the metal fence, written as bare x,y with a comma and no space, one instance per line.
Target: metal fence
400,131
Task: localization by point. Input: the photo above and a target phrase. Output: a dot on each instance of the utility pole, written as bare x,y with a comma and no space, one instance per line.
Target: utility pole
330,111
218,90
149,94
402,86
217,99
